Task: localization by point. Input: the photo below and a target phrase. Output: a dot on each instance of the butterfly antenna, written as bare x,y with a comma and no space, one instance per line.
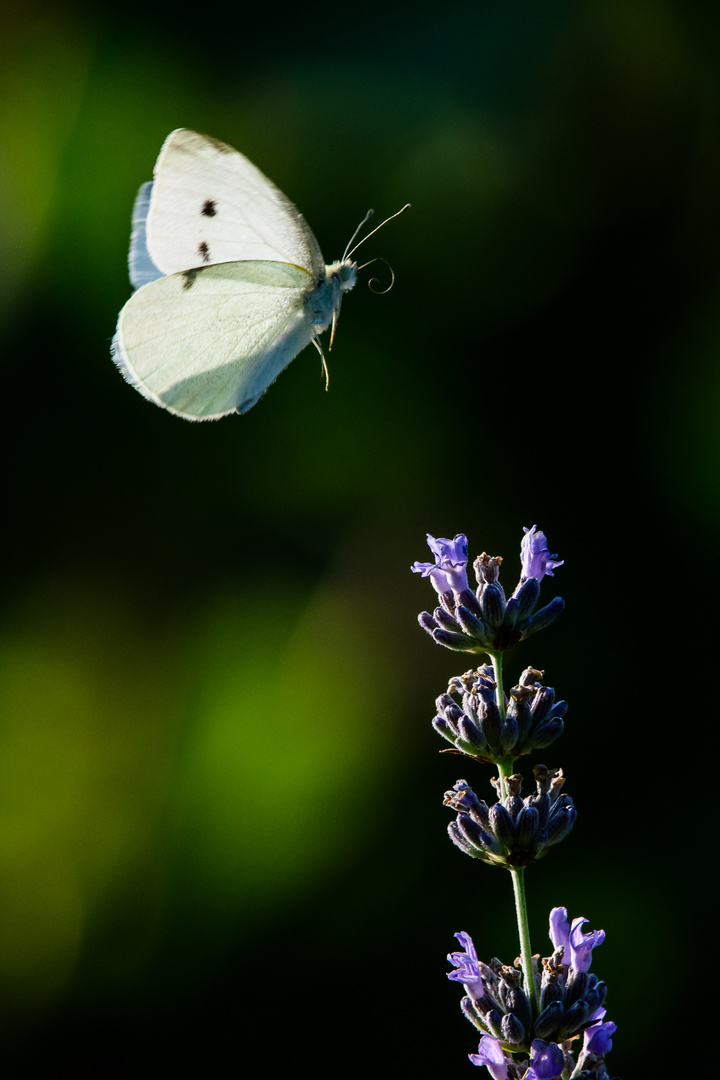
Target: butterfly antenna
373,281
352,238
352,251
319,348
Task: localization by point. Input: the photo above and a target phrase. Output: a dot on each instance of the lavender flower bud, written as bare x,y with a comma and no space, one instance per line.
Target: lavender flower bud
469,600
493,1019
511,1028
474,626
543,617
575,1017
508,736
471,1012
491,726
548,1022
560,824
470,738
448,622
547,733
525,597
492,603
458,642
526,827
502,825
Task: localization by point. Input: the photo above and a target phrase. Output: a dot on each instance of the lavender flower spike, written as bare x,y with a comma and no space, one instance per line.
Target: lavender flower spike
490,1053
535,557
577,947
448,572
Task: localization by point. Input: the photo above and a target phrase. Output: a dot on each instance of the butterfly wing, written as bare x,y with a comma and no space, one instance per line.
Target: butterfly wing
141,267
209,205
209,341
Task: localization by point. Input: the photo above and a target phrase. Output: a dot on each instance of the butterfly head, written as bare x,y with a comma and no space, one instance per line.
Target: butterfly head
343,273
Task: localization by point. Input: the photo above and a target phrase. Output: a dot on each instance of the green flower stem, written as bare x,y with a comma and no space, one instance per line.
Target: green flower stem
505,769
518,881
497,671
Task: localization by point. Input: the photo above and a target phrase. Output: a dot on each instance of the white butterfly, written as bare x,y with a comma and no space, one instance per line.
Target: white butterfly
230,281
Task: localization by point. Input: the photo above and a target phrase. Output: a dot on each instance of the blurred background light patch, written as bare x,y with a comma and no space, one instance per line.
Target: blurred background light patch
281,773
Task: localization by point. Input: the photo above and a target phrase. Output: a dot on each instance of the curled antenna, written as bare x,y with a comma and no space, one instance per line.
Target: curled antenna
349,250
374,280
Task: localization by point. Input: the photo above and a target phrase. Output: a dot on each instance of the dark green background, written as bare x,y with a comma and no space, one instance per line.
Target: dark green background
222,843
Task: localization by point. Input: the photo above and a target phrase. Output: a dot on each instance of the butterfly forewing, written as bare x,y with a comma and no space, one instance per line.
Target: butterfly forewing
209,205
209,341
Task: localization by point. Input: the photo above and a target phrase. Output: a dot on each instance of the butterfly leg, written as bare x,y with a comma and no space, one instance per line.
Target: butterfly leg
318,346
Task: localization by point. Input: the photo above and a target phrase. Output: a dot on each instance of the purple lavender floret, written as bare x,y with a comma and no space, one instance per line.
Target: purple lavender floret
536,559
546,1061
467,965
491,1054
577,947
448,573
597,1039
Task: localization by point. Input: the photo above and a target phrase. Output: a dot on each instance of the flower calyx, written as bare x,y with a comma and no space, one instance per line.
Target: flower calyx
513,832
532,719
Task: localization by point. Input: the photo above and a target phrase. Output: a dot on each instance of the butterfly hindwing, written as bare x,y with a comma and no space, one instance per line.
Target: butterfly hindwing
209,341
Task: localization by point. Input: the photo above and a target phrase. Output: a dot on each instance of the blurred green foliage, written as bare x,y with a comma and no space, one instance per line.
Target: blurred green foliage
219,790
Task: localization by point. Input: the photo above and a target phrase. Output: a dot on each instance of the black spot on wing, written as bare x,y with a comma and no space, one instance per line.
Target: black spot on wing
204,251
209,208
189,278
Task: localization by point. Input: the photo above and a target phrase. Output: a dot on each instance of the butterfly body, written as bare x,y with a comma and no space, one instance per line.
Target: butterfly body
230,282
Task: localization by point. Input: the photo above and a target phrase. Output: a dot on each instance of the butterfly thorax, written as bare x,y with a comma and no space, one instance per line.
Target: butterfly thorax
324,301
